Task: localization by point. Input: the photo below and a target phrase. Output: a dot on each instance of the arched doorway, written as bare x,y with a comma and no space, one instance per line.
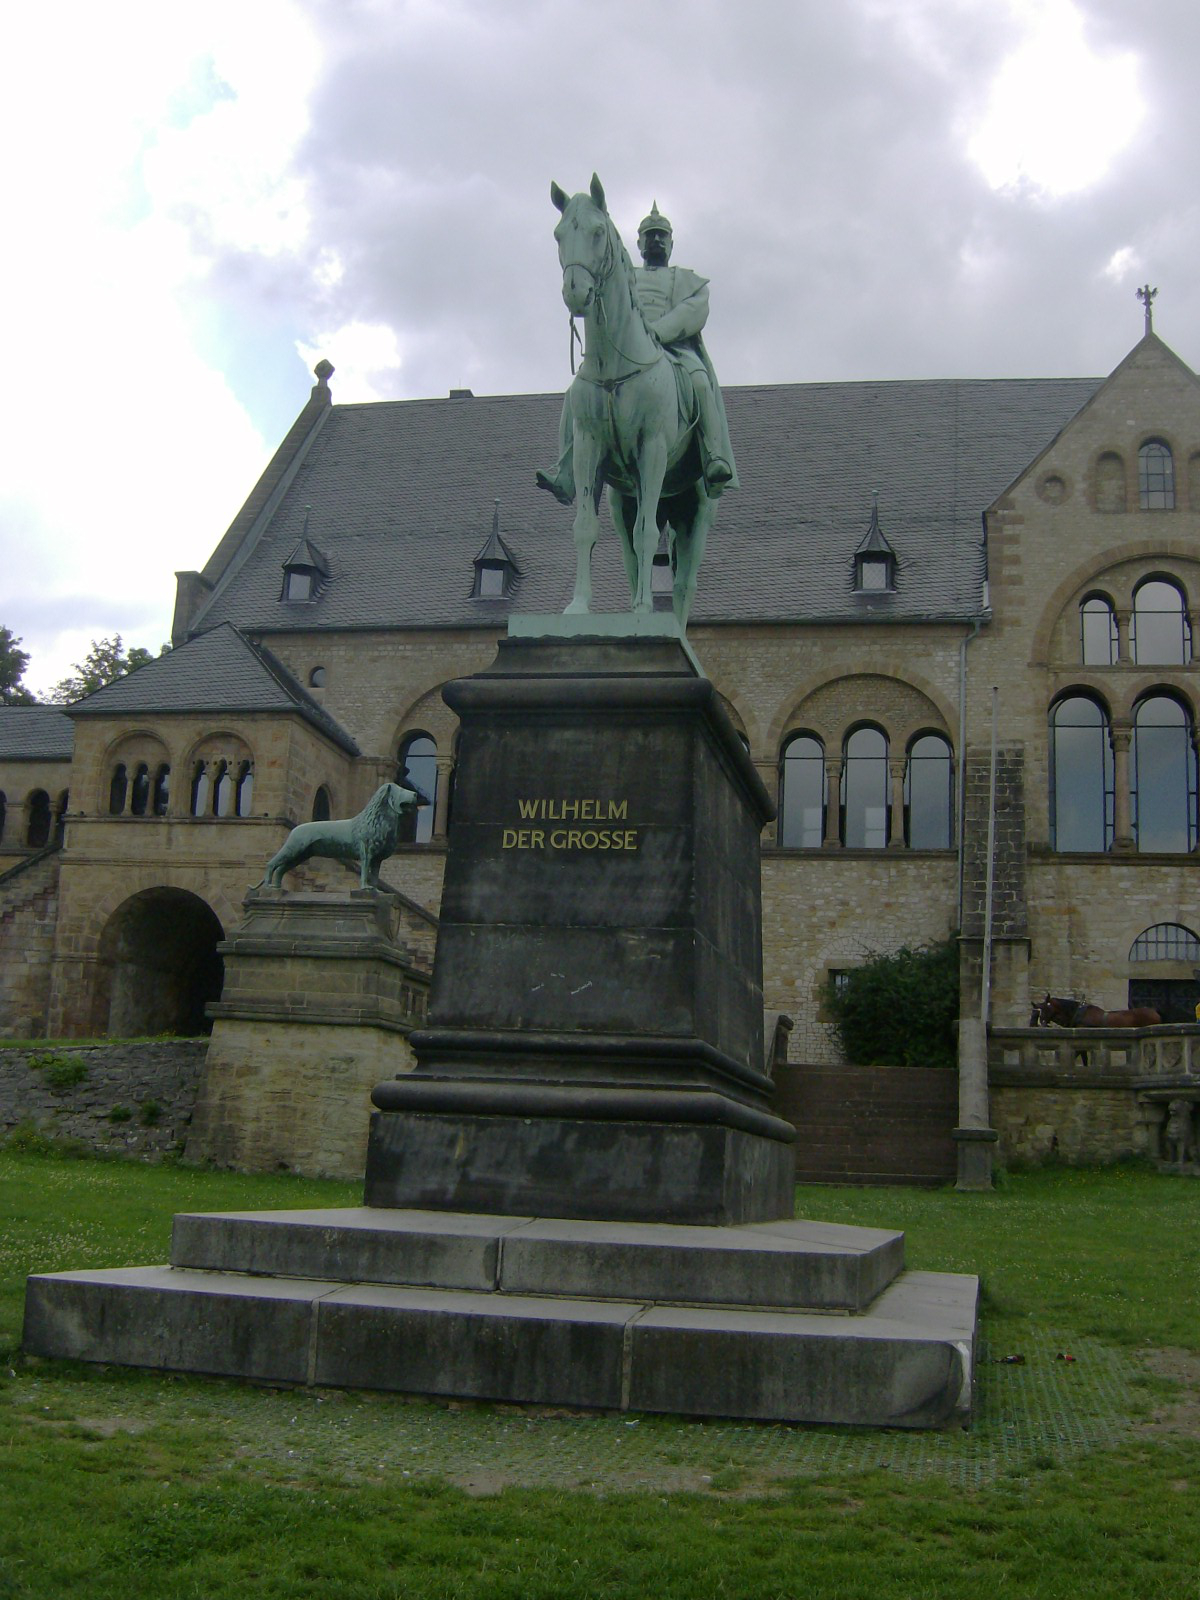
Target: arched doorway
158,965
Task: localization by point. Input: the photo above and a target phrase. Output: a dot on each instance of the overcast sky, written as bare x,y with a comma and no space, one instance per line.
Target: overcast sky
203,200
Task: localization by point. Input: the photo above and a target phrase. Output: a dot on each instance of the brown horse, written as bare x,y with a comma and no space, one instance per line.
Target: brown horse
1067,1013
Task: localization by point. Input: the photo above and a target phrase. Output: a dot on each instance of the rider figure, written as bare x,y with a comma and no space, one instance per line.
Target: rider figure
674,301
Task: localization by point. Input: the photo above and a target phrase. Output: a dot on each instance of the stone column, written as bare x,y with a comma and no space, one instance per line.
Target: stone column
441,799
1122,734
1124,617
1194,636
833,803
896,776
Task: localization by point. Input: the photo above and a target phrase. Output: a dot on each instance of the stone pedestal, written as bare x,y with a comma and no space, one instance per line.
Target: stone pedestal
319,999
595,1046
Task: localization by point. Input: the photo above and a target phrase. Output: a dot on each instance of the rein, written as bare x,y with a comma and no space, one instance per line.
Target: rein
599,281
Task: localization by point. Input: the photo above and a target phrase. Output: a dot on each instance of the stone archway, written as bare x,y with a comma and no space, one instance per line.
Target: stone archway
158,965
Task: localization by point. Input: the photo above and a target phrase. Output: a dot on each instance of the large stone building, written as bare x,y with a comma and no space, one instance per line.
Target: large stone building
898,551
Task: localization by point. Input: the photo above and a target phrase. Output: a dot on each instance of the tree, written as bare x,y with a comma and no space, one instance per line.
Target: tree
899,1010
105,662
13,661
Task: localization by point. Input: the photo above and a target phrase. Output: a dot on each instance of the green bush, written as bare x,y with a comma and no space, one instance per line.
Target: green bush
149,1112
899,1010
62,1072
120,1114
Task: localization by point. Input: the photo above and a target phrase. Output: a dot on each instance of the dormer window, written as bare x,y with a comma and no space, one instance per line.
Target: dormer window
874,560
304,571
496,569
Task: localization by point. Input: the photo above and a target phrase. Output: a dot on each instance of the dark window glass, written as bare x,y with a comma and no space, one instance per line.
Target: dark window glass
1166,941
316,678
3,811
1098,627
38,832
320,807
1156,477
139,802
298,585
802,793
1160,636
1081,776
245,789
928,794
200,785
1164,777
118,790
865,791
162,790
491,581
60,815
417,769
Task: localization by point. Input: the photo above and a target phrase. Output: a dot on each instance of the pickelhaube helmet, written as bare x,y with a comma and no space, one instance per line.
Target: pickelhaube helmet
654,220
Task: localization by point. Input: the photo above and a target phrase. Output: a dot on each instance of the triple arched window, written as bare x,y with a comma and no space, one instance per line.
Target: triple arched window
867,816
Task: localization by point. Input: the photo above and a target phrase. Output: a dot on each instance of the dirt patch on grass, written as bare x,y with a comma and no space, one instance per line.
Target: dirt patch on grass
1180,1413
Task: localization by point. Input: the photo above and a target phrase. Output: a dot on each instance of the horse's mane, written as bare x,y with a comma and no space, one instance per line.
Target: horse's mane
620,253
378,818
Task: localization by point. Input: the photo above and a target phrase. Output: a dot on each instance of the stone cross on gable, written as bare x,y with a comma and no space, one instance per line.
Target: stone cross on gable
1146,295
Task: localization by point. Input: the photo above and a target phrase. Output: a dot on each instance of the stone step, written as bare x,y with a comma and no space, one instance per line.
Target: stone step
907,1362
786,1264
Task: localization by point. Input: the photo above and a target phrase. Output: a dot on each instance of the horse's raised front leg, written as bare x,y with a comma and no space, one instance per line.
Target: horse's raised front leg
587,518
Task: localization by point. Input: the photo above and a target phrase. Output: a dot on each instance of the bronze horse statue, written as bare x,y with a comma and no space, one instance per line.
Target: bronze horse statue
1064,1012
632,430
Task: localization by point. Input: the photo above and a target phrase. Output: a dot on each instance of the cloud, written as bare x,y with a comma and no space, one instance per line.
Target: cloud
368,181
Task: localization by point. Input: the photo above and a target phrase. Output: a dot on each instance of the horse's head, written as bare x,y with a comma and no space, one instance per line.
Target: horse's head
586,245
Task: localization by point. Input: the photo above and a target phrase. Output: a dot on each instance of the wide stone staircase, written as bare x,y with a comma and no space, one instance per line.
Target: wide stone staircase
780,1321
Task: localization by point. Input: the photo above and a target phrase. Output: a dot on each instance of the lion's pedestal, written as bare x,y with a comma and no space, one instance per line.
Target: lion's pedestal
596,1038
321,991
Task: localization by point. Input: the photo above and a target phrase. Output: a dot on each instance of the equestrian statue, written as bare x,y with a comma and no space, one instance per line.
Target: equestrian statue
644,415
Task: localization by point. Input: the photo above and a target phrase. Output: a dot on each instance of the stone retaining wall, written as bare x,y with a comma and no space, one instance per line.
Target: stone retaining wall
83,1092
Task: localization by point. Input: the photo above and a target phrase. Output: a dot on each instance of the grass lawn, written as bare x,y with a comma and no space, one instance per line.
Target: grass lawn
1079,1477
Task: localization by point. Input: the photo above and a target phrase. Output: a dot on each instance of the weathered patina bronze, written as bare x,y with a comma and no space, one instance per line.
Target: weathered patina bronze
364,841
644,415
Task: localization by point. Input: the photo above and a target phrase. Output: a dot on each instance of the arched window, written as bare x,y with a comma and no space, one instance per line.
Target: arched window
417,769
38,830
139,801
1166,941
865,790
321,808
200,788
245,788
316,678
1156,476
162,790
1161,636
802,792
60,815
1081,776
222,790
1110,482
1163,773
928,793
118,790
1098,631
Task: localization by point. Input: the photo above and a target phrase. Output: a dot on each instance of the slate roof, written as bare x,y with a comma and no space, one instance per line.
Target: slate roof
219,671
35,733
401,497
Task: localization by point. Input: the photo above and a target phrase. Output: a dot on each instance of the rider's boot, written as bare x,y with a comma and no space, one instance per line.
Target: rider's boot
717,470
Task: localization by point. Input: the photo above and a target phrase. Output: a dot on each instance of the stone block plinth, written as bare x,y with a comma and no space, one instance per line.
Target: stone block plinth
595,1037
319,999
